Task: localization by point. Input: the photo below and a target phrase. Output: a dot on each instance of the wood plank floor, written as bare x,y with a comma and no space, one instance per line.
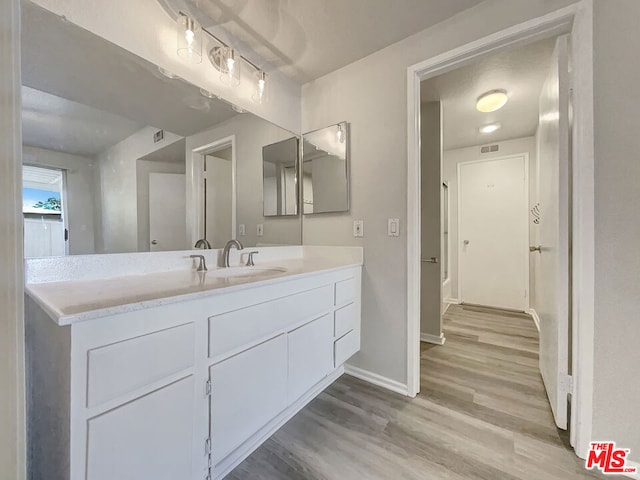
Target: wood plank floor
482,414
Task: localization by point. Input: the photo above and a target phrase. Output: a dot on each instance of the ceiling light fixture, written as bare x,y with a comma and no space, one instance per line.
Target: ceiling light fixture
189,39
208,94
492,101
223,57
492,127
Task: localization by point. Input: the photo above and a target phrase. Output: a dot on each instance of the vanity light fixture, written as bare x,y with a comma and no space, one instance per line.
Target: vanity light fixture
492,127
340,134
492,101
189,39
223,57
261,93
168,74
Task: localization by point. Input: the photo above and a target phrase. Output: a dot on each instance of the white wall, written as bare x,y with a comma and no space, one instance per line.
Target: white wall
251,134
451,159
617,259
143,169
12,419
83,197
118,186
119,21
372,95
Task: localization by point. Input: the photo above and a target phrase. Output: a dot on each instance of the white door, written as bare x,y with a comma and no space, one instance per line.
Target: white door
167,212
493,232
218,179
552,265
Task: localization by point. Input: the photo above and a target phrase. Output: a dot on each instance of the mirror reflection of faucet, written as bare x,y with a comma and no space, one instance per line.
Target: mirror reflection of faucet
203,243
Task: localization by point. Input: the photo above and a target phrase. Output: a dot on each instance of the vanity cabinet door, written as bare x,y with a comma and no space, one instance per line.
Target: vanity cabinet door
310,355
248,390
150,437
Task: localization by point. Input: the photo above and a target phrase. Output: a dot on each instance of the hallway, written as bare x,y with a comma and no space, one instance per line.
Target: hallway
482,414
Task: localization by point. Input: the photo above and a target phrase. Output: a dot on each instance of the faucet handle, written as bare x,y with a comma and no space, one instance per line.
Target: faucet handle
250,259
202,266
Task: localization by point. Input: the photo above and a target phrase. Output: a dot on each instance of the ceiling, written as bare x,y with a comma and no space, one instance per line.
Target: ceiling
306,39
520,71
101,81
173,153
59,124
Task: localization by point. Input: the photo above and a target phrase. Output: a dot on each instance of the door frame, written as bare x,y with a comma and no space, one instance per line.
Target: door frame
195,194
525,214
576,19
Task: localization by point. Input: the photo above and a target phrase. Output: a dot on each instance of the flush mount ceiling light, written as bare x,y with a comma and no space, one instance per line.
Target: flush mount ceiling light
492,101
492,127
223,57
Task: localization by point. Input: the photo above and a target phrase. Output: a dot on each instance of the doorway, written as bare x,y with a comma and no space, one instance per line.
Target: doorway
43,209
564,21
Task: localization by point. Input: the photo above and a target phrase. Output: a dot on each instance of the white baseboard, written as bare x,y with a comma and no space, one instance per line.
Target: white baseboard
241,453
436,339
376,379
454,301
534,315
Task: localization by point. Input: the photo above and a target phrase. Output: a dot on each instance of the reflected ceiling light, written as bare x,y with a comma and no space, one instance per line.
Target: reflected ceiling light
492,127
167,73
340,134
261,92
492,101
189,39
208,94
238,109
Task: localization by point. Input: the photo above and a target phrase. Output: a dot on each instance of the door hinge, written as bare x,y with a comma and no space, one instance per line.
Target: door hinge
207,446
566,384
207,388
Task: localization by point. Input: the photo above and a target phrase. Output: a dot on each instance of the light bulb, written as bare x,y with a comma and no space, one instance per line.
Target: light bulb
189,36
340,134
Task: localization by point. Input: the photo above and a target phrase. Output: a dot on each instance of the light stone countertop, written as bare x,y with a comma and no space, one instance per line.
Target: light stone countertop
74,301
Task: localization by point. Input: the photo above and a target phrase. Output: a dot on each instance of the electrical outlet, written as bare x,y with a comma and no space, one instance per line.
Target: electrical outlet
393,228
358,228
241,230
260,230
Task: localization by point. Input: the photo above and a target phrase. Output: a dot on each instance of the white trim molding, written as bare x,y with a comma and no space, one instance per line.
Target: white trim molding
376,379
435,339
576,19
12,367
633,475
452,301
536,318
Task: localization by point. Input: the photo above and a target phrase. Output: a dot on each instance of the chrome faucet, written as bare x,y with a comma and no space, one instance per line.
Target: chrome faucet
227,250
203,243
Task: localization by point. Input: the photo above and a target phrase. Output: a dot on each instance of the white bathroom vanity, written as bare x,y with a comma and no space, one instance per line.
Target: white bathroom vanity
177,374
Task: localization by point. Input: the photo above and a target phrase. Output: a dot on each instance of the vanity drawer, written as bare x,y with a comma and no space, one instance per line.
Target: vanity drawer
129,365
345,320
232,331
346,291
345,347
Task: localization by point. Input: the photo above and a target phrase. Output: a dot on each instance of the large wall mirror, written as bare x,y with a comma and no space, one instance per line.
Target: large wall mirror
325,170
121,156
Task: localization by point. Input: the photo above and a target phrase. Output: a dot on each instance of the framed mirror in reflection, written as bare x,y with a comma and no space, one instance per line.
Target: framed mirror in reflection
325,170
126,157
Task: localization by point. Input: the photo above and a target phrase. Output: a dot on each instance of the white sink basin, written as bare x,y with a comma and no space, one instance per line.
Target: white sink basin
244,272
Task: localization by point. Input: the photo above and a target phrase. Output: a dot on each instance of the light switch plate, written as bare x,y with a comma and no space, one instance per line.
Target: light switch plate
260,230
241,229
358,228
393,228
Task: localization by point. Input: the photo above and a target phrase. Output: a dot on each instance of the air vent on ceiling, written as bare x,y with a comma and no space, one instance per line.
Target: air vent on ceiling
158,136
489,148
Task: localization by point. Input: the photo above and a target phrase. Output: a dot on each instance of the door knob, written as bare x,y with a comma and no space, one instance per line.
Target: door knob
429,260
466,242
537,248
154,242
